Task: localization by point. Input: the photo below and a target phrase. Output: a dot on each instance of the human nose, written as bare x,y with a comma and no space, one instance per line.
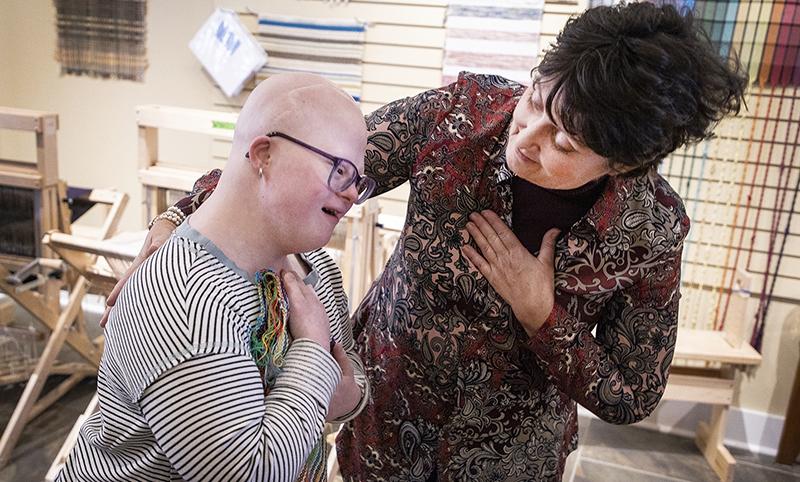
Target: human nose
351,193
533,132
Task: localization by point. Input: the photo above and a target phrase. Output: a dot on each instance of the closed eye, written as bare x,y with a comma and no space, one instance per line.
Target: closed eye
560,147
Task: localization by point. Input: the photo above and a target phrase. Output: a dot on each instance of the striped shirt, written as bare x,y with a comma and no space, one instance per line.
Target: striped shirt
180,395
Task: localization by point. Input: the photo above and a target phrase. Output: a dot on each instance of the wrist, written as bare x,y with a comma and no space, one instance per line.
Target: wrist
173,215
324,343
532,322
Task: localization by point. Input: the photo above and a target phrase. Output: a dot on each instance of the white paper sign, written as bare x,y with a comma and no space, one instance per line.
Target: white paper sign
227,51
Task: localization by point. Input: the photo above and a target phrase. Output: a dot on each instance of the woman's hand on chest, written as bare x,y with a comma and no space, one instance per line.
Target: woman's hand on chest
523,280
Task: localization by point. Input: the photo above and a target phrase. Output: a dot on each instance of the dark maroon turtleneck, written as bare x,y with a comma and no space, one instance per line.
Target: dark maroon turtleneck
536,209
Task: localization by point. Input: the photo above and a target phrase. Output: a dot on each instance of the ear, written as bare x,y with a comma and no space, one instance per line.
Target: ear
258,154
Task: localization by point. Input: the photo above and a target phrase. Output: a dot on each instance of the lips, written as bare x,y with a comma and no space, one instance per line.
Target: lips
332,212
522,156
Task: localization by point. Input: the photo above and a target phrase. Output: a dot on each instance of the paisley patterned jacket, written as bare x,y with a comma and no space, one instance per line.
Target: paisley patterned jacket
459,389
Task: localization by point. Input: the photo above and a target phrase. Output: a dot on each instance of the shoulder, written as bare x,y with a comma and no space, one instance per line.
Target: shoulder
642,210
664,221
180,303
493,84
465,94
485,92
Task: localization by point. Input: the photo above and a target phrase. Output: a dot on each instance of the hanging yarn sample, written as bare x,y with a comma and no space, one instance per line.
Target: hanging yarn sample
269,342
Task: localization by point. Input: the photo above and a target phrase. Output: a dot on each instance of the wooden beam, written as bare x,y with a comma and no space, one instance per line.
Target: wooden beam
36,382
27,120
699,389
53,395
709,440
712,346
215,123
33,304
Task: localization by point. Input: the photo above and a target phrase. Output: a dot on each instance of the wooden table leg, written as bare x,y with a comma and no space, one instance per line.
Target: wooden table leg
710,441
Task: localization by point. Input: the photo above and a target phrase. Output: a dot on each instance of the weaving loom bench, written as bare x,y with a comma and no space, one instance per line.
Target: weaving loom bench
706,369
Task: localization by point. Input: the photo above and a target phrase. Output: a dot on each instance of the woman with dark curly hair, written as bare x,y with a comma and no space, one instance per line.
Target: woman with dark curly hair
536,217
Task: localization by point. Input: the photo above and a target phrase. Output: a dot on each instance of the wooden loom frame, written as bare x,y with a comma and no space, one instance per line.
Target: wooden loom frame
67,325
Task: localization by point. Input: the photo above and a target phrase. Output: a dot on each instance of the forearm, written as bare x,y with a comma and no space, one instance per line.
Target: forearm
356,393
622,380
245,436
620,374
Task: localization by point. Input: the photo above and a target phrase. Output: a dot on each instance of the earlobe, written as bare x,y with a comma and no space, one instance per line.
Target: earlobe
259,154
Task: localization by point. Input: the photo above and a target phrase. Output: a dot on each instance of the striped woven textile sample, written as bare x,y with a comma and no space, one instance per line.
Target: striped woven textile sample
102,38
332,48
492,37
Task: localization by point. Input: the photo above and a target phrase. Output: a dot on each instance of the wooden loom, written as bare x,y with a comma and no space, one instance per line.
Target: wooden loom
39,182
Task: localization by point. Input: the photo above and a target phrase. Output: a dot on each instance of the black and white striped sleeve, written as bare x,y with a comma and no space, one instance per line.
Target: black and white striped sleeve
332,295
211,418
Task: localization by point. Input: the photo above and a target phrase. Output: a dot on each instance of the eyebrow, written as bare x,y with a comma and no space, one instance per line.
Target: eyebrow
574,143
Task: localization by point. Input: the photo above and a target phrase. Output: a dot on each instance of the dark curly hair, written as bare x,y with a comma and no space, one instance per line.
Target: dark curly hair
637,81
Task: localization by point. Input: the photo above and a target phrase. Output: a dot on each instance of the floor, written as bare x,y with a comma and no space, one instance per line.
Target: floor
606,452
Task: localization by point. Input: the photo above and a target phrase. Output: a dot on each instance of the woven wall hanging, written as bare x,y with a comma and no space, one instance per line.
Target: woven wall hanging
102,38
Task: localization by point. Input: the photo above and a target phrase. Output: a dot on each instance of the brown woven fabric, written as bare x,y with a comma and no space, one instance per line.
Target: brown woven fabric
102,38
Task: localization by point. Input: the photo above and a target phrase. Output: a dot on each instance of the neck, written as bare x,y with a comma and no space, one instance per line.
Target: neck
238,233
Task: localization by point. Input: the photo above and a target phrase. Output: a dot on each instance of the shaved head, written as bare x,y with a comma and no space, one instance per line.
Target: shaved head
275,194
290,103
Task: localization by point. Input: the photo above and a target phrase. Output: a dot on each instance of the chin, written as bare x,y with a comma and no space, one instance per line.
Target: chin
512,162
315,241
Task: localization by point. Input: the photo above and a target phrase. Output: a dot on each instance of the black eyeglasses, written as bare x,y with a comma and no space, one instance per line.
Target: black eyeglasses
343,174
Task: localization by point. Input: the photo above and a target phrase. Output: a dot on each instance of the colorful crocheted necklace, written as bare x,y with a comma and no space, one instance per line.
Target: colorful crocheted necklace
269,342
